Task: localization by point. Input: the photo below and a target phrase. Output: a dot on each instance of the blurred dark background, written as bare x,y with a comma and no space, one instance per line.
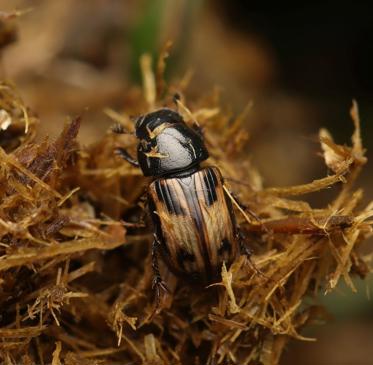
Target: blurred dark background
301,67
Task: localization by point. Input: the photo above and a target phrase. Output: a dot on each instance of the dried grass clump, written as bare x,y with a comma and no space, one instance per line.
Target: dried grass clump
75,258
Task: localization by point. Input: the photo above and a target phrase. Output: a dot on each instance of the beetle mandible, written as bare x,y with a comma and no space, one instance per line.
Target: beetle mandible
195,230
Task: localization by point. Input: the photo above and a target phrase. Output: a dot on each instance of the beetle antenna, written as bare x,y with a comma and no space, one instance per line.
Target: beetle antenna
118,128
121,152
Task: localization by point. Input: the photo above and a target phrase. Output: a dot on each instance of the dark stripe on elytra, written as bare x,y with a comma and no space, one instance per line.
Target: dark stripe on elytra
170,197
210,182
162,195
176,198
196,215
207,189
214,177
214,183
167,195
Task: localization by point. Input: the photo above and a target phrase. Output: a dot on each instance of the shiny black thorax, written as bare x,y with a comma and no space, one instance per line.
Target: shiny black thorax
167,145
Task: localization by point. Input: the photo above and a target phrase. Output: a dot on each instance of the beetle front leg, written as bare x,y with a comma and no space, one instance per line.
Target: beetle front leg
158,283
126,156
244,249
118,128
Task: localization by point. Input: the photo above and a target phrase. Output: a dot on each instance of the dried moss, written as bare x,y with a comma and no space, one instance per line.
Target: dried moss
75,269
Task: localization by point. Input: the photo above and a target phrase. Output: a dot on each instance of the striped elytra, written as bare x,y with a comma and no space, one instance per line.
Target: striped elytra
194,223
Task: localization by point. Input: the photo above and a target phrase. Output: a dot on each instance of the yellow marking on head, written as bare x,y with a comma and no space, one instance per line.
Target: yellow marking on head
158,130
155,154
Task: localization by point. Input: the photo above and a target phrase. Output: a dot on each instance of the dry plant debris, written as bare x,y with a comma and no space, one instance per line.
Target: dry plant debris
75,272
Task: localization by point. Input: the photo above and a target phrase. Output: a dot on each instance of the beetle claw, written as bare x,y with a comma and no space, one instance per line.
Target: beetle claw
121,152
259,272
158,284
248,253
118,128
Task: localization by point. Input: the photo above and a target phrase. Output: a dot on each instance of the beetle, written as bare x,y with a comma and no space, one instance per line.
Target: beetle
195,230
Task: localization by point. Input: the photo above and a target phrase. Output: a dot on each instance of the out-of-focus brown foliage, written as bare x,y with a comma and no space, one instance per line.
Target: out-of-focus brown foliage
75,263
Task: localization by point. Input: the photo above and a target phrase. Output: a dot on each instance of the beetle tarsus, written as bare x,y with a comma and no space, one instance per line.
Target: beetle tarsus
117,128
159,286
248,253
126,156
158,283
245,207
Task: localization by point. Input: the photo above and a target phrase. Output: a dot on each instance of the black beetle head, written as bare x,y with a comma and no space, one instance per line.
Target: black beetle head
167,144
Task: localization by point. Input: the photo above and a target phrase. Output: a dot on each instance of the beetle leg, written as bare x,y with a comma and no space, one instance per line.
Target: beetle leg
245,207
318,226
247,252
142,203
158,283
118,128
126,156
